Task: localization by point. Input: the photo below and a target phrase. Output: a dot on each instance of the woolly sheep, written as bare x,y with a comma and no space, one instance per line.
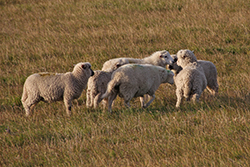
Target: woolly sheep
209,70
50,87
158,58
136,80
97,84
190,81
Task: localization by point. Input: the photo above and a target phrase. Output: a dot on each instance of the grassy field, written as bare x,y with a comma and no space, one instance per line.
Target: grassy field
52,35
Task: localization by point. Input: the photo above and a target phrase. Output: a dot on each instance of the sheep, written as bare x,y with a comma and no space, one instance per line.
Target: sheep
158,58
136,80
50,87
190,81
209,70
97,84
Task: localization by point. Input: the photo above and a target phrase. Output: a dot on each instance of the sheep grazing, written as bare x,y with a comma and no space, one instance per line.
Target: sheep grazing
136,80
50,87
158,58
191,80
97,84
209,70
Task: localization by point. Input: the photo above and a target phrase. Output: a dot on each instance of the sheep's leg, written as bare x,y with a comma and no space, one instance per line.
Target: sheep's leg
126,103
179,97
150,101
97,100
88,100
104,103
68,105
29,104
146,97
142,101
195,97
213,91
110,100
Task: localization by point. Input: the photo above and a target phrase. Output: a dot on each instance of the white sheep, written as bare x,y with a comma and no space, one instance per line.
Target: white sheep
209,70
97,84
190,81
158,58
136,80
50,87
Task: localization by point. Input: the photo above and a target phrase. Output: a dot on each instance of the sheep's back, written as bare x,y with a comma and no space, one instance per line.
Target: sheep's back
49,86
98,82
209,69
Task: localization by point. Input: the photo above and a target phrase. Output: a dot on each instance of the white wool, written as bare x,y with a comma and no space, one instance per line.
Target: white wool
209,69
190,81
50,87
97,84
136,80
158,58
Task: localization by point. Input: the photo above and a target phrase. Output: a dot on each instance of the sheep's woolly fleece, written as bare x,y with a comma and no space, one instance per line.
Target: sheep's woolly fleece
209,69
191,80
158,58
134,80
50,87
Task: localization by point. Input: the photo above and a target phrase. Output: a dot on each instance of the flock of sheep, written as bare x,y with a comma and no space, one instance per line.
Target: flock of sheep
126,77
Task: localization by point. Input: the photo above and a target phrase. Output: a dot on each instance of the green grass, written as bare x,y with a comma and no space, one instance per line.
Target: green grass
52,35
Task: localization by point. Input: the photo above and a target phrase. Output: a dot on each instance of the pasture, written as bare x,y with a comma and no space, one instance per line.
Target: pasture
53,35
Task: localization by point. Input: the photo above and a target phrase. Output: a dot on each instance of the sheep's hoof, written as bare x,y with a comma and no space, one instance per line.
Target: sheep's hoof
68,113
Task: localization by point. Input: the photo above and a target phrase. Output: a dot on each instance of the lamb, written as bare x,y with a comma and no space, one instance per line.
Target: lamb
158,58
50,87
190,81
97,84
209,70
136,80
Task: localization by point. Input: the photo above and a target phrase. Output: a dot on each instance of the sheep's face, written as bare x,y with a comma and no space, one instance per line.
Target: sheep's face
83,68
167,76
170,78
174,67
184,57
165,57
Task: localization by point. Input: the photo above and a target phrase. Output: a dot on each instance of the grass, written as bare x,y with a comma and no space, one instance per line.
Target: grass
52,35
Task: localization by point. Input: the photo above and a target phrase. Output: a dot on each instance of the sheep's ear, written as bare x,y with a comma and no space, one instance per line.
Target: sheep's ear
192,51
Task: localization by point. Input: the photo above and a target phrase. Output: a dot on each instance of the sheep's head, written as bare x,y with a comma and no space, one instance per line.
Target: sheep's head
167,76
174,67
184,57
166,57
83,68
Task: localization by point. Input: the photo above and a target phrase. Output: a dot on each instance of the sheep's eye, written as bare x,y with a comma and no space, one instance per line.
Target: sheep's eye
84,67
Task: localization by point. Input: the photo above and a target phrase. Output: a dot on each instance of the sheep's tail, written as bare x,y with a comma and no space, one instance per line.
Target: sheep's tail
113,86
24,95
